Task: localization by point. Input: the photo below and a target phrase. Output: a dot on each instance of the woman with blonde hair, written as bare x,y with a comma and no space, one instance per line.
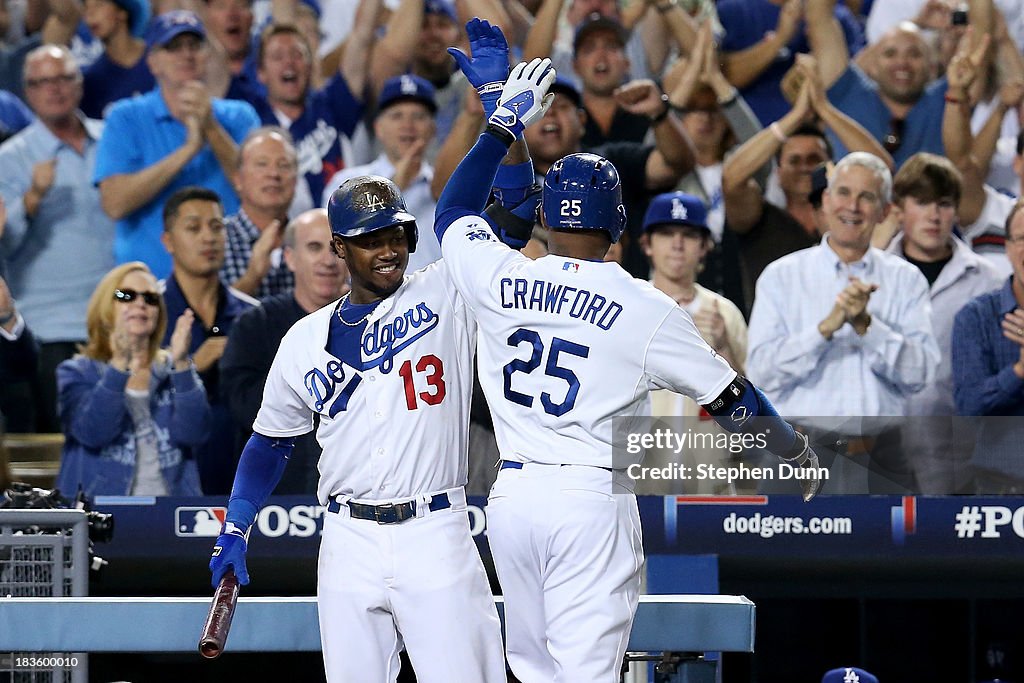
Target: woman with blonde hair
131,411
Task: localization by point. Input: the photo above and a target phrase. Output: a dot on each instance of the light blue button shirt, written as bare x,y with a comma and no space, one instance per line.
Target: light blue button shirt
140,132
850,375
55,259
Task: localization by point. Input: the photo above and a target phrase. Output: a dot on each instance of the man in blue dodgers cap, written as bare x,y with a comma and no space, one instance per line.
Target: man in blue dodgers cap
404,127
171,137
676,239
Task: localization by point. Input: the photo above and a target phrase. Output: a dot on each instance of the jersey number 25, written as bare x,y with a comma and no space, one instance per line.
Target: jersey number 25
551,368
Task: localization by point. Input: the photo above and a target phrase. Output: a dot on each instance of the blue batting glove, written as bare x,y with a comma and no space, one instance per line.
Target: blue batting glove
229,552
525,97
488,68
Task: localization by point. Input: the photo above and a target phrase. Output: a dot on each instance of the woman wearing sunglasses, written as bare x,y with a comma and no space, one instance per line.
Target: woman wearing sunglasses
130,411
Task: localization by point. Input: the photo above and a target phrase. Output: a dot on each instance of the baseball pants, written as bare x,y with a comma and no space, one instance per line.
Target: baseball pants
418,584
567,548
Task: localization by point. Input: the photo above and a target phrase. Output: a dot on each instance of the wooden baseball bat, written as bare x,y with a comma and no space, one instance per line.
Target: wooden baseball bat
218,620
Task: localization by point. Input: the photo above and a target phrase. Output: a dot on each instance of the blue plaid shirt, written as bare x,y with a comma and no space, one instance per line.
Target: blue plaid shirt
984,382
242,233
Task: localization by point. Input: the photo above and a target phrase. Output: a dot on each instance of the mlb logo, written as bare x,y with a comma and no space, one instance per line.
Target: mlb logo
199,521
571,267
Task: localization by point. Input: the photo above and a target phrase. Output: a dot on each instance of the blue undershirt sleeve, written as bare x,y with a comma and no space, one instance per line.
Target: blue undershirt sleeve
512,182
259,470
467,191
513,212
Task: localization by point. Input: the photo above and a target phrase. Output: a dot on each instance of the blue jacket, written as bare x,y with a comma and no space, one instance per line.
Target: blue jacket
99,436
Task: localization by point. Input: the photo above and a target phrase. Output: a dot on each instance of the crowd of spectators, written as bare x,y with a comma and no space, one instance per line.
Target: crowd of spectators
840,175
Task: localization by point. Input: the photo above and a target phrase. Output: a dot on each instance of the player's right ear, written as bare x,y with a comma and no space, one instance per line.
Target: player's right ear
338,246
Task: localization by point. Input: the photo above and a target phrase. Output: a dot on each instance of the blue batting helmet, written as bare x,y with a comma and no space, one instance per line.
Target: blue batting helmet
583,192
369,203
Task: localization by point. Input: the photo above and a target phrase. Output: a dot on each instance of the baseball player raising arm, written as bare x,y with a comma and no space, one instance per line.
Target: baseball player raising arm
567,343
388,369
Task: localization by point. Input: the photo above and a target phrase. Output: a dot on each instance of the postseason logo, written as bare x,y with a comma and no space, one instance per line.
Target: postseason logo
199,521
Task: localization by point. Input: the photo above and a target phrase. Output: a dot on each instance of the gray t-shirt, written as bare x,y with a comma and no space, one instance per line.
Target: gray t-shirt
149,481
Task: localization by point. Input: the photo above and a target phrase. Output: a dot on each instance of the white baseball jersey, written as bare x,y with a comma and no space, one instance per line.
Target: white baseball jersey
566,345
396,427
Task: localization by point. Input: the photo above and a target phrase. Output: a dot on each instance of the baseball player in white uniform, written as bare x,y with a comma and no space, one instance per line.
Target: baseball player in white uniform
388,369
567,343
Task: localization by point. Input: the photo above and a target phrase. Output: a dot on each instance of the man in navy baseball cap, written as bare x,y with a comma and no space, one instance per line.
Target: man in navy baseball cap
676,208
170,25
596,22
404,127
848,674
177,124
407,88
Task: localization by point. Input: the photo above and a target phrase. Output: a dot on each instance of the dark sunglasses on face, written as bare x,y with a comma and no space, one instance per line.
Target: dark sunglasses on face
129,295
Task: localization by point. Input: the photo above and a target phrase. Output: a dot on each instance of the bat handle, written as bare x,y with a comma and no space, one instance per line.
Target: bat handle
218,620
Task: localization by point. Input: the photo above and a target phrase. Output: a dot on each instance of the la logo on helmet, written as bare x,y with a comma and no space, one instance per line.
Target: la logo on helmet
374,202
678,210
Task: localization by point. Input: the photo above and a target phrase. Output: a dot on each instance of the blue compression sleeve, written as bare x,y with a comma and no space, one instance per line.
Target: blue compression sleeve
513,212
259,469
744,409
467,191
512,182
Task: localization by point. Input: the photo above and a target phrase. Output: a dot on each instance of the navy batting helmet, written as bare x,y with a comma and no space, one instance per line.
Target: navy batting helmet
369,203
583,192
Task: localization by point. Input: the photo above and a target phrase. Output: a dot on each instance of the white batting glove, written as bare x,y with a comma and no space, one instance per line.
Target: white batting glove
525,97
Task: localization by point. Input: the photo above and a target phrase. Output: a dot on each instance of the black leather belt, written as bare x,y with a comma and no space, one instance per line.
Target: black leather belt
388,513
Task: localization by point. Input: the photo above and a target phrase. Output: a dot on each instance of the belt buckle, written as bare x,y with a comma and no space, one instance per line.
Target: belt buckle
385,514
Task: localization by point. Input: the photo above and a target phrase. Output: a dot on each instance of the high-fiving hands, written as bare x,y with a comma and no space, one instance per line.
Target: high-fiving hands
525,96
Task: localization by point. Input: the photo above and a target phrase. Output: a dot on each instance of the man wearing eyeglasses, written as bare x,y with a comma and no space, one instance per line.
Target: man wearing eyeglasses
169,138
57,242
